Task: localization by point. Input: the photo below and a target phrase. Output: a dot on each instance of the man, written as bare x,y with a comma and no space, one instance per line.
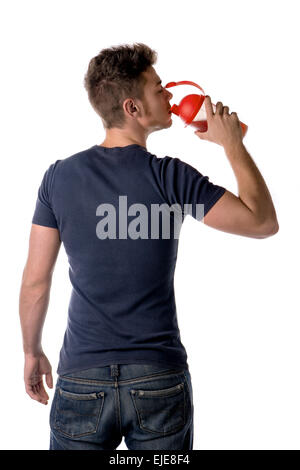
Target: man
123,370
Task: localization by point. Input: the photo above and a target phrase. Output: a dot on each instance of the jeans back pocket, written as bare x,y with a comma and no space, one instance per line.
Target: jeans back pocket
77,414
161,411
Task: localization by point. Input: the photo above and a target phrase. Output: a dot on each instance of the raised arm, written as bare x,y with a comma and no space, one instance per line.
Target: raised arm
44,244
252,214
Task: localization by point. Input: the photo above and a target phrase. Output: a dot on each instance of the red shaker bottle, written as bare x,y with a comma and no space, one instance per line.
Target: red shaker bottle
191,111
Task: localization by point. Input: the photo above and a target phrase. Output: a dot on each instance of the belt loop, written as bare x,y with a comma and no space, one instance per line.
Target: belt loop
114,370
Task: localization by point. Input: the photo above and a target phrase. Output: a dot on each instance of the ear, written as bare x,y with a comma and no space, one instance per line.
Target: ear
130,107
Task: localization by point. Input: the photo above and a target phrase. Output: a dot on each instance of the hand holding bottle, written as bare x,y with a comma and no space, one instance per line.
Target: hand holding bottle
222,128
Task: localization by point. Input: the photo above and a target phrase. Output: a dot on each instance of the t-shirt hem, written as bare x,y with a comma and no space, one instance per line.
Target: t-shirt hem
44,224
213,200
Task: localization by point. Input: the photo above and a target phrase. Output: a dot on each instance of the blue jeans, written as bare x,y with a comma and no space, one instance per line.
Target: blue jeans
150,405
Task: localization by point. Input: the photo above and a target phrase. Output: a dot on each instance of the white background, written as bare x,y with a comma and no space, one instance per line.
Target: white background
237,297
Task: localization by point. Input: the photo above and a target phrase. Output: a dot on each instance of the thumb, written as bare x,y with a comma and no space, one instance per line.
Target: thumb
49,380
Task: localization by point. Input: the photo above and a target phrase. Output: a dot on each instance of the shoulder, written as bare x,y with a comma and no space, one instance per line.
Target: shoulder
176,167
63,165
165,161
75,159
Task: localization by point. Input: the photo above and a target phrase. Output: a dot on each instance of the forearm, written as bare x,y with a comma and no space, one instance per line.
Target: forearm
252,188
33,304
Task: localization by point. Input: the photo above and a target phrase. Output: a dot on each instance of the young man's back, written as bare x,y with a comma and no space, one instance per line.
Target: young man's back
122,258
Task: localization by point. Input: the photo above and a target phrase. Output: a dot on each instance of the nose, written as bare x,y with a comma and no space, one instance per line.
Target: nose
170,96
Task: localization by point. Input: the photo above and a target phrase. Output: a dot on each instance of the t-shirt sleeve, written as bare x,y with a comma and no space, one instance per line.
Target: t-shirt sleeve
185,185
43,213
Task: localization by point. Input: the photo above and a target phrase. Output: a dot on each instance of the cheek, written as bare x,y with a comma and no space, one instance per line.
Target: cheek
161,99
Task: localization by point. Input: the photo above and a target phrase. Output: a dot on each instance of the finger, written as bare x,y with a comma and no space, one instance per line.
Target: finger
34,395
42,397
200,134
226,110
42,392
208,107
219,108
39,390
49,380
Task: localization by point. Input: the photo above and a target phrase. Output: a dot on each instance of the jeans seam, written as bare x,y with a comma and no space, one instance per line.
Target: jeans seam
189,395
118,410
53,437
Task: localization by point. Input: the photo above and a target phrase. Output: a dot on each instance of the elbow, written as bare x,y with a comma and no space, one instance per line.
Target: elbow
36,285
36,278
269,229
34,282
275,228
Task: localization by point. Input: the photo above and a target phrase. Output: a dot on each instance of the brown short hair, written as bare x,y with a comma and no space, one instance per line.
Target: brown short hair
114,75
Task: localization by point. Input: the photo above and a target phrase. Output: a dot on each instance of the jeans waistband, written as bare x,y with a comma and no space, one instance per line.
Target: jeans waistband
122,372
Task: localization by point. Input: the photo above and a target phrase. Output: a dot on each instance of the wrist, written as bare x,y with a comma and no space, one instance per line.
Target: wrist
33,352
233,147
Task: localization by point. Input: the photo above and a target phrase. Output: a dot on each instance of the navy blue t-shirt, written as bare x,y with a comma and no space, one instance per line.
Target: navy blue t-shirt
121,266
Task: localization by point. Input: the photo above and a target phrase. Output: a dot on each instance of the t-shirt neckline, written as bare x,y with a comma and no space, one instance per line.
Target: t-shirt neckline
124,147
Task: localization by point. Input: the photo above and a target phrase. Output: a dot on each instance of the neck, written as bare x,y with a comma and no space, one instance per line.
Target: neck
122,137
